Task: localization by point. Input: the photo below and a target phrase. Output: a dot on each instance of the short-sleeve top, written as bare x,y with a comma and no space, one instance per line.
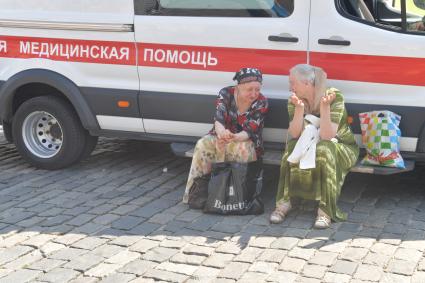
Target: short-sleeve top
252,121
338,116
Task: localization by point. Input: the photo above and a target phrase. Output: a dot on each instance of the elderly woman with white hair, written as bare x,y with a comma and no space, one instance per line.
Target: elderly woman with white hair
335,153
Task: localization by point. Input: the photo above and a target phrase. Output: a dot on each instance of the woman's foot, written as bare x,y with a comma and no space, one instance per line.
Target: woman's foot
323,221
278,215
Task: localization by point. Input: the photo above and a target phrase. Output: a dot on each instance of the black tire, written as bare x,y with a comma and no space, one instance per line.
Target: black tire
91,142
59,117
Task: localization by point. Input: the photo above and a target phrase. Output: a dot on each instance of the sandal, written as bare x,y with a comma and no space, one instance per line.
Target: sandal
278,215
323,221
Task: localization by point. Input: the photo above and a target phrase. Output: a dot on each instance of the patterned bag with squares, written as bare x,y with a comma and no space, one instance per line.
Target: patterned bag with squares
381,138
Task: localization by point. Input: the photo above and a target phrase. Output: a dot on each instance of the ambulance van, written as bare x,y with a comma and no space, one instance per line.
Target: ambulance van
71,71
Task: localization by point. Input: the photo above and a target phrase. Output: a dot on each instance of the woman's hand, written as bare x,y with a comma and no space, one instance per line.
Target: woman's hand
327,99
296,101
225,135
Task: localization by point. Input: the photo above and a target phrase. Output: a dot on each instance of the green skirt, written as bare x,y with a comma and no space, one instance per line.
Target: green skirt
323,183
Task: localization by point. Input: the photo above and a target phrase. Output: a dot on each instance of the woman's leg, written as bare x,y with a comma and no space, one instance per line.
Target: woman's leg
204,154
333,161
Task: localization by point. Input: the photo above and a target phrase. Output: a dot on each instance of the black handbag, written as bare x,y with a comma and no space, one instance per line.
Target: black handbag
234,188
198,192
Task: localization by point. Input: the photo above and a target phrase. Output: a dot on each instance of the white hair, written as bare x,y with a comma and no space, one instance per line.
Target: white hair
314,76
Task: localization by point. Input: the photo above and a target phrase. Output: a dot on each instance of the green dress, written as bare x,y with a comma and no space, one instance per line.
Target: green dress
333,161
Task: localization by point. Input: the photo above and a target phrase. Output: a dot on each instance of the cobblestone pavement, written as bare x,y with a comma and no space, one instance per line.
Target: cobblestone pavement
117,217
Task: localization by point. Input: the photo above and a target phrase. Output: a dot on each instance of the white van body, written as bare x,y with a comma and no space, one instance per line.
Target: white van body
124,69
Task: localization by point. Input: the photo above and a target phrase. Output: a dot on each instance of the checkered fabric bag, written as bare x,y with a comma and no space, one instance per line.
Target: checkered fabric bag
381,138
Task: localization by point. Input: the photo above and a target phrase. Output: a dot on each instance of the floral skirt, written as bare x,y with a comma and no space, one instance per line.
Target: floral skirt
209,151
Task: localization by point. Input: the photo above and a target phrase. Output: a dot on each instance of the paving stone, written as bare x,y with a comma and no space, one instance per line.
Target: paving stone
59,275
81,219
261,241
335,247
185,269
368,273
384,249
125,241
69,239
229,248
188,259
301,253
421,265
106,250
395,278
362,242
408,254
380,260
249,277
89,243
13,240
144,229
144,245
323,258
291,264
123,257
401,267
67,254
234,270
173,244
138,267
314,271
84,262
22,275
118,277
282,276
272,255
418,277
164,275
249,254
263,267
12,253
218,260
84,279
102,270
24,261
344,267
354,254
198,250
159,254
331,277
285,243
46,264
127,222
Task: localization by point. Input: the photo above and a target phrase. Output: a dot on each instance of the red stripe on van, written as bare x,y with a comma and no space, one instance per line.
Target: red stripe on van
274,62
74,50
370,68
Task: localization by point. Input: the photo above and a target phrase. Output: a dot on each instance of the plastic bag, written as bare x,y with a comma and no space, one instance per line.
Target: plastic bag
235,188
381,138
198,192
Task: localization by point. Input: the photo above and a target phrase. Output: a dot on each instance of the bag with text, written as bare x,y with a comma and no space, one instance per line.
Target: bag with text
235,188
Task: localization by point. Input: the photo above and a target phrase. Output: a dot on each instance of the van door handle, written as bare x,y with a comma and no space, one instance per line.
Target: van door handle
283,38
331,41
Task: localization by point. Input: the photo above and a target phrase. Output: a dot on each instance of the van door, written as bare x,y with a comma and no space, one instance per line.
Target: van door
188,50
370,54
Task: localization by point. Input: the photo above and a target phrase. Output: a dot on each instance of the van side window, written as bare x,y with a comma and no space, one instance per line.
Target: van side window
387,14
215,8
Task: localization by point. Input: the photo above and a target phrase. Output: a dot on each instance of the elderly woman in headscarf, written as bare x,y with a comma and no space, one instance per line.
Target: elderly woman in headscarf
238,126
335,153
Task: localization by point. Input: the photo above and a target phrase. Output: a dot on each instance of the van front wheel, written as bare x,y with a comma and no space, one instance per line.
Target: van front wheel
48,133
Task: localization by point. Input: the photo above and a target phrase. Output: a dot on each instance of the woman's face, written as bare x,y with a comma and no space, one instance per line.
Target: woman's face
302,89
249,92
